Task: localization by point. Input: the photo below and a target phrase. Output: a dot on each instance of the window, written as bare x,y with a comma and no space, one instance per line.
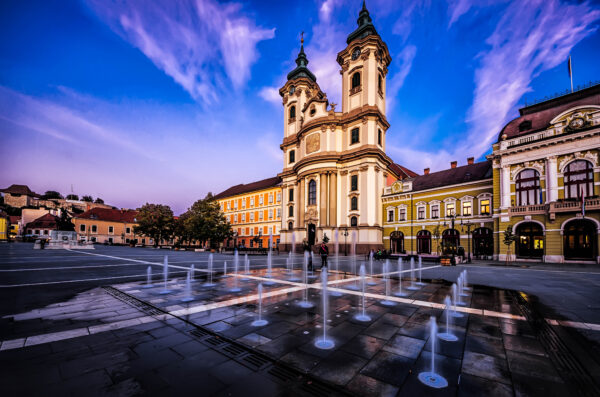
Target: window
243,203
292,156
380,83
484,207
354,183
579,178
354,221
278,197
354,136
235,205
379,137
252,217
278,212
46,232
449,209
312,192
290,225
128,230
291,195
260,200
528,187
402,214
424,242
82,228
435,211
421,212
94,229
271,198
271,214
467,208
229,205
111,230
525,125
292,112
356,80
313,111
354,204
390,215
260,215
243,217
291,211
37,232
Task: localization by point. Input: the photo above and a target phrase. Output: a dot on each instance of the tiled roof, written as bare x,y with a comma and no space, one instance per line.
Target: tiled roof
402,172
109,215
14,219
453,176
19,189
542,113
46,221
249,187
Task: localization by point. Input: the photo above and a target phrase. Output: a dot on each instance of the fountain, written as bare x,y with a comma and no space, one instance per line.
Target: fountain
336,244
386,278
209,282
165,290
293,251
246,268
312,274
431,378
412,286
259,322
400,293
148,278
225,275
324,343
371,281
461,285
193,272
188,288
236,287
454,302
448,335
305,303
465,287
354,286
421,283
363,316
269,266
290,260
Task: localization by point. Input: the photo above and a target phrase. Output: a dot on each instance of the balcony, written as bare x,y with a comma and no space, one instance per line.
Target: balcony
591,204
537,209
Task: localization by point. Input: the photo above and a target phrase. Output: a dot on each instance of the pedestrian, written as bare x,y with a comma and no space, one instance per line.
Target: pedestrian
324,252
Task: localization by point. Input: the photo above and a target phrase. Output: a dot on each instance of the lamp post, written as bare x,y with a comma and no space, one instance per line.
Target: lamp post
452,217
468,224
345,234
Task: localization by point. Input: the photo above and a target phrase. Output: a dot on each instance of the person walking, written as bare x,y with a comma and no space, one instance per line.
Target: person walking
324,252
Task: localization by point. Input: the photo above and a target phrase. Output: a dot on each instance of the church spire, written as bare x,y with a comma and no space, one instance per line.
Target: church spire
365,25
301,69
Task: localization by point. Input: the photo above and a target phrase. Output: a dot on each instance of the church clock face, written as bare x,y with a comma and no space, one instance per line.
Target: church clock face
576,123
355,53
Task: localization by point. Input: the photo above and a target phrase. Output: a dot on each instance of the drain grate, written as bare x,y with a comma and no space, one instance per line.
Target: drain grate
233,350
132,301
317,389
199,333
282,374
214,341
561,356
255,362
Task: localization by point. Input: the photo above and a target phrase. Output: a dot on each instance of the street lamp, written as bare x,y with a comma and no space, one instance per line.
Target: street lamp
468,224
345,234
452,217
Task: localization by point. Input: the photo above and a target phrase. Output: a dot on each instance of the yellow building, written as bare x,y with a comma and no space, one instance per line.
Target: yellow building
254,212
113,226
437,213
4,225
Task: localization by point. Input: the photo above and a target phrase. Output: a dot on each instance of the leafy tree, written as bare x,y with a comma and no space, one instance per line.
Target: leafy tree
65,223
509,238
205,221
155,221
51,194
72,197
87,199
99,201
180,230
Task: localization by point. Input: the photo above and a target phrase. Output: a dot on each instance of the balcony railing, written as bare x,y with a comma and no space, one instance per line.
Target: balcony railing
536,209
551,209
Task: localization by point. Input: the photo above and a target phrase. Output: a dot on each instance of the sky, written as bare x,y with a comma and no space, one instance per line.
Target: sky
164,101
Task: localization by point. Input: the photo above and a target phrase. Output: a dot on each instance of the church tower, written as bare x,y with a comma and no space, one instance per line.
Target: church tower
335,167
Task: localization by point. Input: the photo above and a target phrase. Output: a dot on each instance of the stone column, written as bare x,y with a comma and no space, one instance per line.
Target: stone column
323,200
300,204
333,199
505,186
551,180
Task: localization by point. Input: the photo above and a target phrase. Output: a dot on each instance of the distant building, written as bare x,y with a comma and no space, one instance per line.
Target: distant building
15,225
20,196
43,225
4,225
254,212
111,226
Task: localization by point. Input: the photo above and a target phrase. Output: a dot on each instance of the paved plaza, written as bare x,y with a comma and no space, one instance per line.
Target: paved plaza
88,323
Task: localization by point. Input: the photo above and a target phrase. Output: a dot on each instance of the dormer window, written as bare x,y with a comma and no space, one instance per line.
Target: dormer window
525,125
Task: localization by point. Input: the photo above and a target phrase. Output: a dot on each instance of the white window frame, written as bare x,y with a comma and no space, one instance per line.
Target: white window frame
260,215
252,217
424,207
402,209
432,204
278,212
251,201
243,203
480,198
448,202
279,197
261,199
391,210
235,204
462,207
243,217
111,230
270,198
271,213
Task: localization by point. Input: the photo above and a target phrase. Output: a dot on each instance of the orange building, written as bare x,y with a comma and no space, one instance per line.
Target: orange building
254,211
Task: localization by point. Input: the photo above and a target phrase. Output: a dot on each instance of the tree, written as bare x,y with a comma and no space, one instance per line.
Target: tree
72,197
51,195
509,238
205,221
436,235
180,231
155,221
99,201
87,199
64,223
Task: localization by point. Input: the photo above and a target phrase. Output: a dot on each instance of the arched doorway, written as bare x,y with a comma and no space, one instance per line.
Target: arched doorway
483,242
450,241
424,242
397,242
580,238
530,242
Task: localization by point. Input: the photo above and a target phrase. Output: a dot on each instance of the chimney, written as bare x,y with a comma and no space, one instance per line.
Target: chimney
426,171
453,164
470,160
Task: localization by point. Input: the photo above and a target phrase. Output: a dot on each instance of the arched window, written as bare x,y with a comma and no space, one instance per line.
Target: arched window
312,192
356,80
292,112
450,241
580,240
530,240
291,210
424,242
354,221
290,225
354,204
397,242
380,83
579,179
528,187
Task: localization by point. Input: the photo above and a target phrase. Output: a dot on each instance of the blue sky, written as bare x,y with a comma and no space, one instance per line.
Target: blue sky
164,101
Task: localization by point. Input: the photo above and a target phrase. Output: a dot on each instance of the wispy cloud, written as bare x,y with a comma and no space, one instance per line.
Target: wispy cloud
396,81
201,44
270,94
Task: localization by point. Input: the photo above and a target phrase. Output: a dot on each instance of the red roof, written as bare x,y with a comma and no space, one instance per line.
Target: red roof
109,215
402,172
47,221
250,187
14,219
452,176
540,115
19,189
